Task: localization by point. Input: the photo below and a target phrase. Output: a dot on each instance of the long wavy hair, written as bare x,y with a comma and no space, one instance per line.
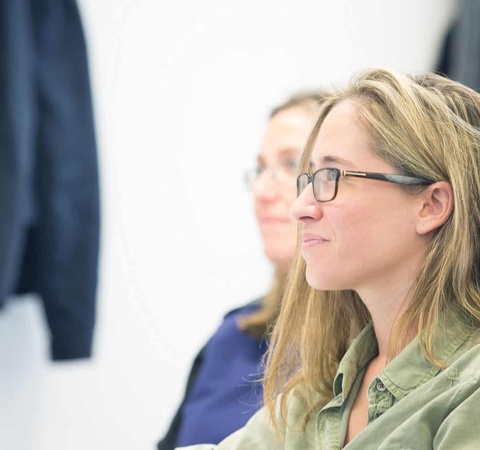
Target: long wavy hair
259,323
426,126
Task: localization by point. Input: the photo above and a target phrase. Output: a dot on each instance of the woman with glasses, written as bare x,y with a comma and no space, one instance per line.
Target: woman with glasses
377,342
223,390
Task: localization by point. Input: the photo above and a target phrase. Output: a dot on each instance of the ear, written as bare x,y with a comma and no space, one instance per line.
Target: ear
436,207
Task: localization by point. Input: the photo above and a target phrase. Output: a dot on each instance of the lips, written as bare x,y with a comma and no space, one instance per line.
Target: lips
310,240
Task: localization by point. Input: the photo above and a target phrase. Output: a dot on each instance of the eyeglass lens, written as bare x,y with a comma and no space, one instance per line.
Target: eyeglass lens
282,174
323,183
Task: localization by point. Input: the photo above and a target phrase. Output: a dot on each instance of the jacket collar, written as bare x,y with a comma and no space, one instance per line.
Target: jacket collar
363,349
410,368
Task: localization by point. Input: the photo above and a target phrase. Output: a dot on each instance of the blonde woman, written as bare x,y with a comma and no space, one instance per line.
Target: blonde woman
377,342
223,390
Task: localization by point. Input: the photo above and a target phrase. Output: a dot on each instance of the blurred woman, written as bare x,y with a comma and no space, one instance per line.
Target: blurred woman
223,391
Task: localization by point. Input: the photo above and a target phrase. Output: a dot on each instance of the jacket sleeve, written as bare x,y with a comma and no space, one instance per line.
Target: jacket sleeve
460,428
60,259
257,434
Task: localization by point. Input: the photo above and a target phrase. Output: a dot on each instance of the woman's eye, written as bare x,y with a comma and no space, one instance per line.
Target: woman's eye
290,164
331,175
259,170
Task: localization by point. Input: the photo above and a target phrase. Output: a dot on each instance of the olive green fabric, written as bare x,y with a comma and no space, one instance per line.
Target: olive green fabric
412,403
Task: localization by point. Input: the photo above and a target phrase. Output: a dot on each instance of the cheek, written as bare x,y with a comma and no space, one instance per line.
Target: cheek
370,235
353,234
348,224
257,207
279,244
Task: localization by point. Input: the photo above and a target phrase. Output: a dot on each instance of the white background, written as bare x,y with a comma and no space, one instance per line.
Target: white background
182,92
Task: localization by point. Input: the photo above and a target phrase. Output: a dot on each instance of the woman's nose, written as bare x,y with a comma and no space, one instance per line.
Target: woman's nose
305,206
265,185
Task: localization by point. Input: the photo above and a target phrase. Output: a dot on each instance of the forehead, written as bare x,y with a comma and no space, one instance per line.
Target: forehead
342,137
287,132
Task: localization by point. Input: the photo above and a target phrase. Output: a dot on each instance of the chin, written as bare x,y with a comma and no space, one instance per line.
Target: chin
278,259
320,282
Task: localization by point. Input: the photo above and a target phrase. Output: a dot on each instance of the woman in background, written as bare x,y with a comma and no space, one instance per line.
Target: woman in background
377,342
222,390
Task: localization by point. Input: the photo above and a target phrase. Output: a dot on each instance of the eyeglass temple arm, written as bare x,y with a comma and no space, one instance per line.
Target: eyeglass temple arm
398,179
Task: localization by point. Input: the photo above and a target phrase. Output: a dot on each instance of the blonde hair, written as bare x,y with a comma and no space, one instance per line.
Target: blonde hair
425,126
260,322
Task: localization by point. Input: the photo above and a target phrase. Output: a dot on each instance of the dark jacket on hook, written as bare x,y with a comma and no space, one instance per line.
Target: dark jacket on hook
49,192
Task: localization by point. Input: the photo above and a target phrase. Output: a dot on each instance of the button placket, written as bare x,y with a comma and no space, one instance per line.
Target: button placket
380,399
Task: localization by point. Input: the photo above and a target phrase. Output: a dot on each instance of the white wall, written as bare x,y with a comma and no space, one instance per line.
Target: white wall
182,90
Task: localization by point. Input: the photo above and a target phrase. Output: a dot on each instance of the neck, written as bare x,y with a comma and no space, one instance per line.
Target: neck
384,302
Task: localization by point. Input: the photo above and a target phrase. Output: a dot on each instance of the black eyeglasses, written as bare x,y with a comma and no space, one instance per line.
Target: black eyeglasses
325,181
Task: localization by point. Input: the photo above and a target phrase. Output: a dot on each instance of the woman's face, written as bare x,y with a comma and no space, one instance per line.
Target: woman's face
367,234
275,188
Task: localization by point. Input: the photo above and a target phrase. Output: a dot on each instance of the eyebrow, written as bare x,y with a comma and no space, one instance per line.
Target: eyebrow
286,151
328,159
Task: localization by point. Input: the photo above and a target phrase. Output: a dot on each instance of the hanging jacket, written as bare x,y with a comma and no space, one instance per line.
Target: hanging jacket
49,187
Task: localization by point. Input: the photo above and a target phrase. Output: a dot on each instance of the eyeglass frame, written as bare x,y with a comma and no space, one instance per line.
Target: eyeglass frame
252,175
390,178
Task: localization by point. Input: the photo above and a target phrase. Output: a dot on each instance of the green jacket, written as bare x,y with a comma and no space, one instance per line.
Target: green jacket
413,404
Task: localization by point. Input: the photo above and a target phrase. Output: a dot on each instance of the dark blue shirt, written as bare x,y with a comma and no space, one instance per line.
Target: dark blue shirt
226,392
